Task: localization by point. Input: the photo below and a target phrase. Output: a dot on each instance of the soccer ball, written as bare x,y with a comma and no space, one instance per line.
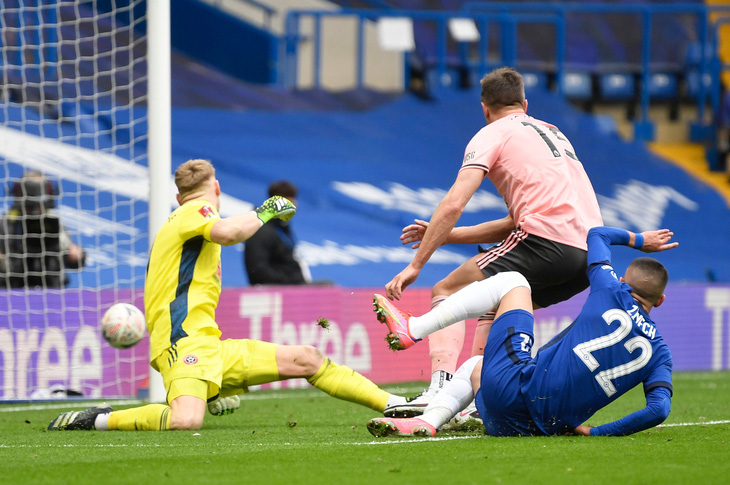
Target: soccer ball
123,325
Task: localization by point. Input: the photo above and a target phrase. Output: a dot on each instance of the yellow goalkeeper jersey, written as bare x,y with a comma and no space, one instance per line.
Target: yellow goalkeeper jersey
183,280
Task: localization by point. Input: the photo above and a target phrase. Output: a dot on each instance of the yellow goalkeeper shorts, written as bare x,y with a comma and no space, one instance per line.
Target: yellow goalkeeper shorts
228,366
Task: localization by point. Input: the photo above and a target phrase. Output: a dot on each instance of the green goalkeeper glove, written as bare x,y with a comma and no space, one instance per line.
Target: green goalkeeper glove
224,405
276,207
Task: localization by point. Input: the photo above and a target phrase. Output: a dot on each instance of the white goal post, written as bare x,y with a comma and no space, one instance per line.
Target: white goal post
85,150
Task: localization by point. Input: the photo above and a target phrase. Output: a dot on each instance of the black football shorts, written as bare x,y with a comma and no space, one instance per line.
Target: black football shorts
555,271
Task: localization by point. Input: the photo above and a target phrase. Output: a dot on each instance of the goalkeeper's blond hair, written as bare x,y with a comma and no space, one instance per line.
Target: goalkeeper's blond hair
192,174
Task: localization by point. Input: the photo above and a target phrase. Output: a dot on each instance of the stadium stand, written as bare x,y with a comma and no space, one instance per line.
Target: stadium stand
367,162
365,168
320,170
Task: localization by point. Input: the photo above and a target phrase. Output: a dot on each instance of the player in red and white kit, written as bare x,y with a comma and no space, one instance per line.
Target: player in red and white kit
551,206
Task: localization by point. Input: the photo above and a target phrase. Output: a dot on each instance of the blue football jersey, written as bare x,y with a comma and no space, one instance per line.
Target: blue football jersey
610,348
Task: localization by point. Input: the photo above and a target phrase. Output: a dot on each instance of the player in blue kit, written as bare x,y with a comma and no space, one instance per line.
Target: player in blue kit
610,348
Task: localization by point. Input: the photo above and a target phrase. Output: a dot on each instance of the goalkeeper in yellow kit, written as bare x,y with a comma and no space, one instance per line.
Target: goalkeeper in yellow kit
182,289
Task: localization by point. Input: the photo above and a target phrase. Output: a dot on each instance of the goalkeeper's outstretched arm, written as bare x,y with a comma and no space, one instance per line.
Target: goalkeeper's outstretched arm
236,229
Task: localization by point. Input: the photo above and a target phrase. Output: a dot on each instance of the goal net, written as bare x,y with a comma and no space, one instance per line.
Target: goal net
74,194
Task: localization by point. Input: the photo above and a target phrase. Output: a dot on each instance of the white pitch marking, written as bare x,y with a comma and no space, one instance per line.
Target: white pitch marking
361,443
411,441
701,423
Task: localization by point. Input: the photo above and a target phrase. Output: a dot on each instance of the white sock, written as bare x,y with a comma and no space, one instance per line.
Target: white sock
439,379
471,301
454,397
101,422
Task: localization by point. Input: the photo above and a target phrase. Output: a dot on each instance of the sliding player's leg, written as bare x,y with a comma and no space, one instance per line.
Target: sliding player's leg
256,362
445,330
506,355
445,344
185,412
191,372
469,302
457,394
454,397
473,376
336,380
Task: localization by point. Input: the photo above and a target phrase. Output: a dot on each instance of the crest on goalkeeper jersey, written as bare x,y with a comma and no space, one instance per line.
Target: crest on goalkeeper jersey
207,212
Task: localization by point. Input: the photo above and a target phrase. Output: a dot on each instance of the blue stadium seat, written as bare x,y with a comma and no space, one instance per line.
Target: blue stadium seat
663,85
694,54
693,83
616,86
577,85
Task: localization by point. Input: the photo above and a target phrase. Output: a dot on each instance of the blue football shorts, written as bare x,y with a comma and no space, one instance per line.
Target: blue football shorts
508,351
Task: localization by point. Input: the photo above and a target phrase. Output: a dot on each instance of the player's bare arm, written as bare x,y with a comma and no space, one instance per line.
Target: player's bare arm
235,229
484,233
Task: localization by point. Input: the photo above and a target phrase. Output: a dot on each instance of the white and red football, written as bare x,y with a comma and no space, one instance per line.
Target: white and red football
123,325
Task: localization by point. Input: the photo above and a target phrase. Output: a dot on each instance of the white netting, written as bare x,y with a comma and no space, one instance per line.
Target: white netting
73,149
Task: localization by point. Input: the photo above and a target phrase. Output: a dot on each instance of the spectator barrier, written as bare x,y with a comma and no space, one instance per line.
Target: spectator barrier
38,352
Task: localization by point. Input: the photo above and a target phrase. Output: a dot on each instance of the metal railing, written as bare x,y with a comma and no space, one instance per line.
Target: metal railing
718,67
265,9
372,3
507,18
295,17
646,12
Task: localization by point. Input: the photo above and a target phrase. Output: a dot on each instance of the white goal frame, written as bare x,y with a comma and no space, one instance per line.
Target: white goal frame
159,145
53,111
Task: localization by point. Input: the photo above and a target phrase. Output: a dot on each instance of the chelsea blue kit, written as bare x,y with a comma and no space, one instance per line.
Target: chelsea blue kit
611,347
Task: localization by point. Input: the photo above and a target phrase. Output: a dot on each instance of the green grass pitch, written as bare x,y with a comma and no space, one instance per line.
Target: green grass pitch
304,436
